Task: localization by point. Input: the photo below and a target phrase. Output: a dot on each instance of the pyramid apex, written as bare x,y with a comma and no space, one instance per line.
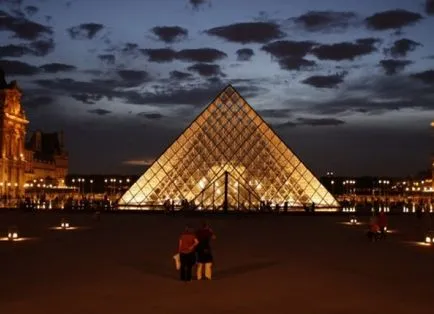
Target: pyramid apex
230,88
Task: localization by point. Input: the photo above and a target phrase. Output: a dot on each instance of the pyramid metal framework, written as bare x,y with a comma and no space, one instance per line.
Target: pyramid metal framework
228,157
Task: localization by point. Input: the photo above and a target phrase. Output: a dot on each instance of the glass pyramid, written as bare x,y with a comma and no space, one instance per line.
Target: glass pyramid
228,158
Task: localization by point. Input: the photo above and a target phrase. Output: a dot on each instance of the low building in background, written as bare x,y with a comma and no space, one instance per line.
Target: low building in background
47,159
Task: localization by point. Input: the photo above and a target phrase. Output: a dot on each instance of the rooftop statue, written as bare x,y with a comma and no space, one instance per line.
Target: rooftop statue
3,83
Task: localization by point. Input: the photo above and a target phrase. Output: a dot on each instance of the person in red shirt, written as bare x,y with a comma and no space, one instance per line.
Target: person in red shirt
374,228
187,255
382,223
203,250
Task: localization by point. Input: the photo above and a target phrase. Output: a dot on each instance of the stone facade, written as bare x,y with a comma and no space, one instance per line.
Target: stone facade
13,125
41,161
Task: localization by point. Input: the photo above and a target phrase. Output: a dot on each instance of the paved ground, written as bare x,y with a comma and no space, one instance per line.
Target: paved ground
264,264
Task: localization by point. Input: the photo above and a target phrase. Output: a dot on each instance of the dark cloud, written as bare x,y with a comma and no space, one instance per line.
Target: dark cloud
170,34
15,51
165,94
41,48
12,67
378,94
274,113
12,3
178,75
244,33
99,111
85,30
160,55
31,10
18,13
319,121
57,67
285,125
200,55
425,76
22,27
429,7
345,50
87,98
392,19
31,103
130,49
196,96
402,47
245,54
151,116
288,48
324,21
196,4
296,64
107,58
325,81
392,66
134,75
206,69
93,90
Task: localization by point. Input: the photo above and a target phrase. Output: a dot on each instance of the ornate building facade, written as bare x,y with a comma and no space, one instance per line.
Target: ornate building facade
13,124
41,161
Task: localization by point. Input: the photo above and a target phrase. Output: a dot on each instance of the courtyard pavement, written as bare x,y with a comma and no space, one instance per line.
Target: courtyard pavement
264,264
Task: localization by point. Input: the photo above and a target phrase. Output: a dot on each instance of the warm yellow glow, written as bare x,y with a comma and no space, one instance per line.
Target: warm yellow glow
12,235
228,139
428,240
68,228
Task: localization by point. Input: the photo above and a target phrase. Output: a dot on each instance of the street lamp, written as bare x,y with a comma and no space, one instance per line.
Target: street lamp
91,186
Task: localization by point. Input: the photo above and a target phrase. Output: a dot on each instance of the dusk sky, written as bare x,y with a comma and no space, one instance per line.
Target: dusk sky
347,84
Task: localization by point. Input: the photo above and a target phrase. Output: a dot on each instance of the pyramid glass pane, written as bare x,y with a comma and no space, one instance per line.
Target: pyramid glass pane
228,158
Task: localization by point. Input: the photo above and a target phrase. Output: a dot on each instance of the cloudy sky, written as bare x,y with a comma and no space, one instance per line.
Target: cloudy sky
347,84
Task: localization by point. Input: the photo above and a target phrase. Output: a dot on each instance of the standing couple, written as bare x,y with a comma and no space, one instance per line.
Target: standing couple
195,247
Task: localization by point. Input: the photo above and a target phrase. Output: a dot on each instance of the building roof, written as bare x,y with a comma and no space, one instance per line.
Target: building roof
45,145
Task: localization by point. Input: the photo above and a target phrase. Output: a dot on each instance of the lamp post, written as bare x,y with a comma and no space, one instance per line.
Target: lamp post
91,186
7,193
16,191
333,186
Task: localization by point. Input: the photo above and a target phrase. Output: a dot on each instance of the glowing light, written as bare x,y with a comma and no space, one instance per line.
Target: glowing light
13,234
64,224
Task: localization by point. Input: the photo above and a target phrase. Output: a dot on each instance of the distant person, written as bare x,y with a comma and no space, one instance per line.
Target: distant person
203,251
382,223
374,229
186,250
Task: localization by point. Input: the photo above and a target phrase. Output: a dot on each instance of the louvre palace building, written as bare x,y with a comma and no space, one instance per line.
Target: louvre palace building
26,162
